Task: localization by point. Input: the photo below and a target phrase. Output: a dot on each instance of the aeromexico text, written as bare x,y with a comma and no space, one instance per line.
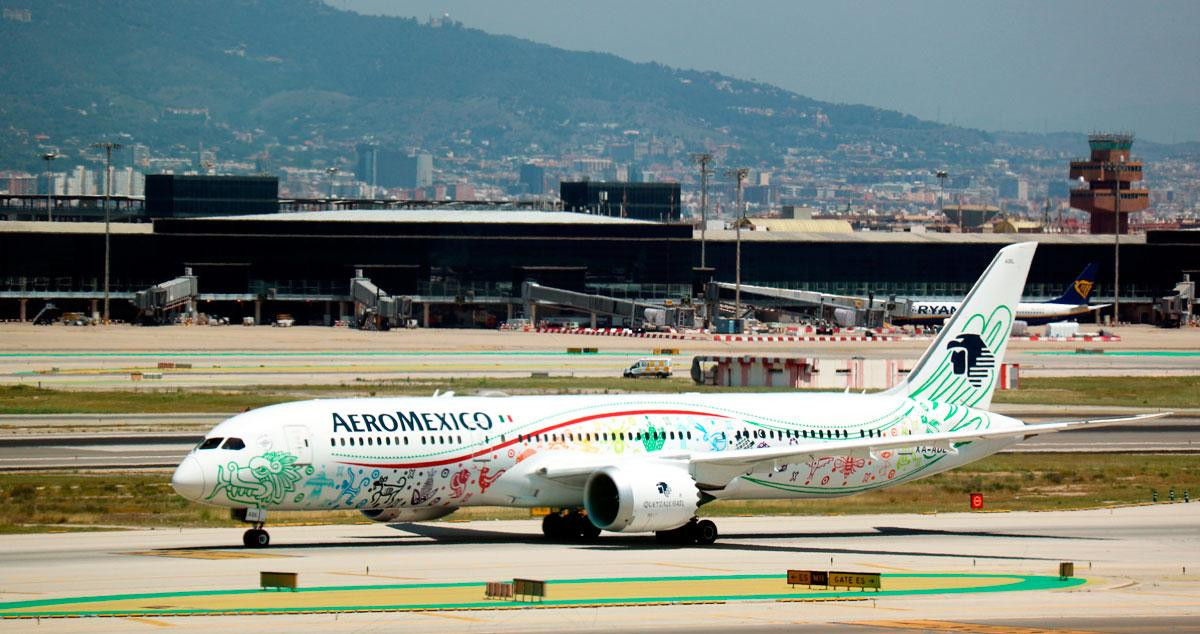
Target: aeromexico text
411,421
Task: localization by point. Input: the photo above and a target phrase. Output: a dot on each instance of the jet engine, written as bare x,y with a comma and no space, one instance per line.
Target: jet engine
640,498
408,515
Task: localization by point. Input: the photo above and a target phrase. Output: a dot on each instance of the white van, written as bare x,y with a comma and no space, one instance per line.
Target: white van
658,367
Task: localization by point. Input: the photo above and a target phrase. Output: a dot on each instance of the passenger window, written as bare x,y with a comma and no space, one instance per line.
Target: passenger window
210,443
233,444
343,441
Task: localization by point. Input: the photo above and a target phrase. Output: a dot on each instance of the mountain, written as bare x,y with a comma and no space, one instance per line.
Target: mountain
301,76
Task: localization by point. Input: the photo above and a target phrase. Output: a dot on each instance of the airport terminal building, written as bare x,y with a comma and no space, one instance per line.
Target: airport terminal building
466,268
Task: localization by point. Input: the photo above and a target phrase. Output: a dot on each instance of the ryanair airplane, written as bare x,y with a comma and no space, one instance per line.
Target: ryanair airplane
624,463
1070,306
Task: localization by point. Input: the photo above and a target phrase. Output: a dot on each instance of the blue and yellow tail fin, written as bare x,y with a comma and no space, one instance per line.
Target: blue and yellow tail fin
1079,290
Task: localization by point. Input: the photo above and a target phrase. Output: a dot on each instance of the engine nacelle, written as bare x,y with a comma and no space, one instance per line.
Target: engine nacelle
408,515
639,498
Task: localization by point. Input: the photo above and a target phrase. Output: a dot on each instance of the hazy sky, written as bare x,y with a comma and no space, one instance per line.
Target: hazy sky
1079,65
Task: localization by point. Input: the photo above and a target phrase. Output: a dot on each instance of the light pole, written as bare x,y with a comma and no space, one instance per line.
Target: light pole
703,158
108,147
941,176
49,156
1114,169
739,173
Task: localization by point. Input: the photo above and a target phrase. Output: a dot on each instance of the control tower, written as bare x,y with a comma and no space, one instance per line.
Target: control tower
1109,170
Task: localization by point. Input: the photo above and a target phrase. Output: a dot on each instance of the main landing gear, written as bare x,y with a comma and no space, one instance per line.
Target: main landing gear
255,537
571,526
699,532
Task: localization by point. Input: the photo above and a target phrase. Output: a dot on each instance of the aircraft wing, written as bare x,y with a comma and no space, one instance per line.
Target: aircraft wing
719,467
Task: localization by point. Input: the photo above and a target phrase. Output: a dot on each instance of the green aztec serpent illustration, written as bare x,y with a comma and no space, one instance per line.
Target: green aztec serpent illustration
266,479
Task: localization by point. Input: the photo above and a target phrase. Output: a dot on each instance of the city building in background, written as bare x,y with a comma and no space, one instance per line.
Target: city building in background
389,168
533,177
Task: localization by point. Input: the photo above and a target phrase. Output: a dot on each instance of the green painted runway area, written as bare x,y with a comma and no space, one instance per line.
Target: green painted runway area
562,593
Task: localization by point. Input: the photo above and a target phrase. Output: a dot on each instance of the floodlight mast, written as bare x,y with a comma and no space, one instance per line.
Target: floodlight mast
49,156
703,159
740,173
108,147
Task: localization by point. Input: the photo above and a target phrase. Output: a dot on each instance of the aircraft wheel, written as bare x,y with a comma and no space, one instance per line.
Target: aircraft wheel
705,532
256,538
552,526
587,530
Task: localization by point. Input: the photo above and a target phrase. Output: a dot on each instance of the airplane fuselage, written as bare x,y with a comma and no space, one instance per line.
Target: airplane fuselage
447,452
1032,313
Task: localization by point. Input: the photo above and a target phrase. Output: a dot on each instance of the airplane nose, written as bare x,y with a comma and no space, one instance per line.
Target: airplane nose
188,480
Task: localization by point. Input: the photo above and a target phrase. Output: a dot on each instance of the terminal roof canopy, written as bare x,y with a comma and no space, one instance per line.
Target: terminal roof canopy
440,215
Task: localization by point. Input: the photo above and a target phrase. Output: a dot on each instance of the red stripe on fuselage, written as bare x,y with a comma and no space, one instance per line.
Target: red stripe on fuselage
445,461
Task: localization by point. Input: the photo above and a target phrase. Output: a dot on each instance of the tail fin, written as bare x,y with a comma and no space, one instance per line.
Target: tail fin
1079,290
962,364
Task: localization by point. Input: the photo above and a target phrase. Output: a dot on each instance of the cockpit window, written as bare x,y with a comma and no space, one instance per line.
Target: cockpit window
210,443
233,443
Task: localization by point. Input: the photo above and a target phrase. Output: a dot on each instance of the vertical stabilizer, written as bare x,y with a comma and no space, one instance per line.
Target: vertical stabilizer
1077,293
962,365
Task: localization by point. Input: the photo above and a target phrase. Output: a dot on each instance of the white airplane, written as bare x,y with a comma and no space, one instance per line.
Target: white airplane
624,463
1071,305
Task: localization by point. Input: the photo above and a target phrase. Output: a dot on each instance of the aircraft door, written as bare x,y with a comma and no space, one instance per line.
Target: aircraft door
299,442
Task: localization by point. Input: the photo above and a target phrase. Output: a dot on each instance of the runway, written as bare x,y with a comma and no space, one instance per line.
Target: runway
1140,565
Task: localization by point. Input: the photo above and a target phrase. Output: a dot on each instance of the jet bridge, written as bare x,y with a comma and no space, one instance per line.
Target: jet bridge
847,310
376,309
157,302
638,314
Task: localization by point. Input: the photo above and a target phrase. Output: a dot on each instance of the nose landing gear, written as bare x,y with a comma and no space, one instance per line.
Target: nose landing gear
255,537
